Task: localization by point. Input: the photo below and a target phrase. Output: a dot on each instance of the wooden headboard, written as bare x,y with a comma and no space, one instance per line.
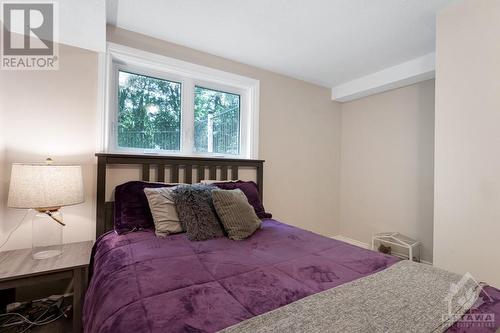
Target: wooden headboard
105,209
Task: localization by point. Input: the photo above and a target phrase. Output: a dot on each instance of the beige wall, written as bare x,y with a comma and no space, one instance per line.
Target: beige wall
467,173
386,181
55,114
299,137
52,113
2,162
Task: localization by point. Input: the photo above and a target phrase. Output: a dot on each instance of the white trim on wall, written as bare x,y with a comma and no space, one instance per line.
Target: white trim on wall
351,241
101,101
191,74
410,72
364,245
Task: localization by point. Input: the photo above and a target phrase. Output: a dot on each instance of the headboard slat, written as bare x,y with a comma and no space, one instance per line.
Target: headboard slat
213,172
201,172
105,210
175,173
234,172
145,172
189,174
223,172
161,173
101,197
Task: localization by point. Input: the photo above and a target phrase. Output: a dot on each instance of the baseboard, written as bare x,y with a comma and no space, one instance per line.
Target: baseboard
351,241
365,245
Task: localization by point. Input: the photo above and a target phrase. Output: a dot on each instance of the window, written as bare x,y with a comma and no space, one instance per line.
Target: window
216,121
149,112
159,105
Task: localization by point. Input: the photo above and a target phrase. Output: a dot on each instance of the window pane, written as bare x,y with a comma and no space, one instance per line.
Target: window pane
149,112
216,121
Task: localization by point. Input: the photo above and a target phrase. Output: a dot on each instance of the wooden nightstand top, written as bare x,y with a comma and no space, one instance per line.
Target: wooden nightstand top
17,264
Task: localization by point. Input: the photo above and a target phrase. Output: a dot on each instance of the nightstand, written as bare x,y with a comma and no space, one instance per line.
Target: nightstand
17,268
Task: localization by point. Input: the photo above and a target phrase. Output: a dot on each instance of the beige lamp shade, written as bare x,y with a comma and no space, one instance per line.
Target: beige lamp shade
45,186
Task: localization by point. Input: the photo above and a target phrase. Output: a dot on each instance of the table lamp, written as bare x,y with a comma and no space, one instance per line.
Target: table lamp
45,188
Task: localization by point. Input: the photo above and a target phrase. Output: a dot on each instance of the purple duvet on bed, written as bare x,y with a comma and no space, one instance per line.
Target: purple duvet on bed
142,283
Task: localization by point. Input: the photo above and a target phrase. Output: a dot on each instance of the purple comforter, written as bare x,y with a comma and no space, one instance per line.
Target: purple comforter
142,283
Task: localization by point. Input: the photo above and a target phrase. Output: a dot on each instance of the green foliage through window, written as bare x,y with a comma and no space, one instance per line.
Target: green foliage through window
149,112
216,121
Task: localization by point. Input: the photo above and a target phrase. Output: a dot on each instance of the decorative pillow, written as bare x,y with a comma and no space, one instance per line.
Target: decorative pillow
251,191
196,211
211,181
161,204
131,206
236,214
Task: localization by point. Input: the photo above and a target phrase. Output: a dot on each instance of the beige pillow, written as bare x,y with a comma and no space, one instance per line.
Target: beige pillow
161,204
212,181
235,213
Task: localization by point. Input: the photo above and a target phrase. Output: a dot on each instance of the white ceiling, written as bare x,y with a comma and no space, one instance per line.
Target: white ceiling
327,42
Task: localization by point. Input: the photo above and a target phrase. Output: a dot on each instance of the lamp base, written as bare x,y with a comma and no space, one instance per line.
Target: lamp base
47,236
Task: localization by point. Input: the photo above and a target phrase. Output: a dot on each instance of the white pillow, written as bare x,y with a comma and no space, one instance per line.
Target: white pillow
217,181
161,204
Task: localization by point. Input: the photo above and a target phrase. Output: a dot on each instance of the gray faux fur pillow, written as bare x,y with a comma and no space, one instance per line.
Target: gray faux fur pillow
196,211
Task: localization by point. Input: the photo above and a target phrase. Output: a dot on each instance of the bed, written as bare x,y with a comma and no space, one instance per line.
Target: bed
143,283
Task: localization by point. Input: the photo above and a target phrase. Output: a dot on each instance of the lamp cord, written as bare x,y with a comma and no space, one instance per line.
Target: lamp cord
14,230
36,323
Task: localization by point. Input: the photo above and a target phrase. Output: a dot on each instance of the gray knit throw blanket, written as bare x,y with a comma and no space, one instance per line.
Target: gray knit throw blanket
406,297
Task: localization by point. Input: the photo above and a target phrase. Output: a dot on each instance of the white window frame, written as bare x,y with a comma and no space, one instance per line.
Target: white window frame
119,57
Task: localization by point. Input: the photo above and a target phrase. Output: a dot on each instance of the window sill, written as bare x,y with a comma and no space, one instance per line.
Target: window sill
146,153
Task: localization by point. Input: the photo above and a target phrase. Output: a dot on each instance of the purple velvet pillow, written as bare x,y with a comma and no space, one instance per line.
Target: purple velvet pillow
251,191
131,206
